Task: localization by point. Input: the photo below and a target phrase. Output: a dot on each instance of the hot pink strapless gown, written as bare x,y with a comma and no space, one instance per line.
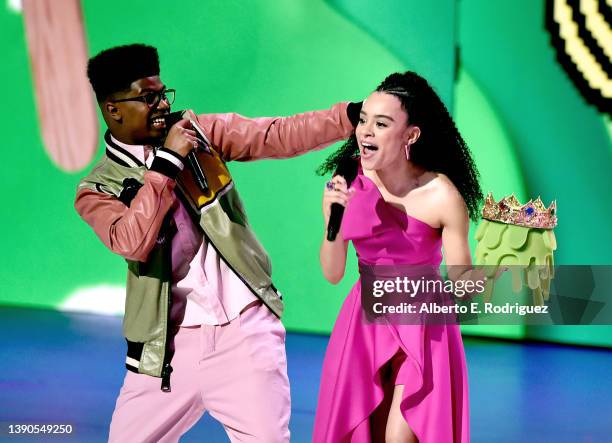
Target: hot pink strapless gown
434,374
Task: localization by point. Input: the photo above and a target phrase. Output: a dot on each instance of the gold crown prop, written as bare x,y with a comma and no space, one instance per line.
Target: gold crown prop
532,214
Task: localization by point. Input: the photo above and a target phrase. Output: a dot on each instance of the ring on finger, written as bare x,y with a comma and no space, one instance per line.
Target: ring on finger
330,186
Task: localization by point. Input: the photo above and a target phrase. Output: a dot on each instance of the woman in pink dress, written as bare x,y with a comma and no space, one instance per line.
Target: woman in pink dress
415,191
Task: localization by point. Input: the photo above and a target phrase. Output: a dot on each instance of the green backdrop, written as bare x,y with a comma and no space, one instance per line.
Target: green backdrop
529,129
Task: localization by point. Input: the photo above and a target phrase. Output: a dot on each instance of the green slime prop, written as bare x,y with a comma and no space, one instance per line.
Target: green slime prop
528,252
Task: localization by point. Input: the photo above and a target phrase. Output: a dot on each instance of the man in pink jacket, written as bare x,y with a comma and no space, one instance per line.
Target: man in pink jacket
201,313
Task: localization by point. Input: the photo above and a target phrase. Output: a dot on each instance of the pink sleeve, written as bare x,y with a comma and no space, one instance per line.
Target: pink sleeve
128,231
244,139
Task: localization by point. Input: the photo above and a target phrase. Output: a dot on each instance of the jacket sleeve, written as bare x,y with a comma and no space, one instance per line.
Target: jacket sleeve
129,231
244,139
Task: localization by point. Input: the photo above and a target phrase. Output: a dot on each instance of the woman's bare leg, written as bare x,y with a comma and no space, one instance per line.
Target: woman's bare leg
398,430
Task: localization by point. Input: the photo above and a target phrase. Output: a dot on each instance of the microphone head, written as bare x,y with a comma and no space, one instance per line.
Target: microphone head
173,118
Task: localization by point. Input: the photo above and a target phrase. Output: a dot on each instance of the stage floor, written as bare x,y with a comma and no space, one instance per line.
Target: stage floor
67,369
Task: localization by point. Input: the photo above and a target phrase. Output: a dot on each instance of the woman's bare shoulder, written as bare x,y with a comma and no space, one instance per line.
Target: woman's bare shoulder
445,192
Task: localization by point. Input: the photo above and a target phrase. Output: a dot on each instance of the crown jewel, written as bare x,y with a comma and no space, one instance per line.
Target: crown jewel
532,214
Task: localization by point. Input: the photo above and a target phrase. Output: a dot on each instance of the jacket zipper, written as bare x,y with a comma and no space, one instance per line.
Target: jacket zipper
167,368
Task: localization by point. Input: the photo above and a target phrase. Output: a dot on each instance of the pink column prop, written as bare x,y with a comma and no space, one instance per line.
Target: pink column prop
65,102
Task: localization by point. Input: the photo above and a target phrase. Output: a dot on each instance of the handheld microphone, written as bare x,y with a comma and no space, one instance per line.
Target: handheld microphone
347,168
192,159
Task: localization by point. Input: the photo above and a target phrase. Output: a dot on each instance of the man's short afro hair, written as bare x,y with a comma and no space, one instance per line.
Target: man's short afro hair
114,69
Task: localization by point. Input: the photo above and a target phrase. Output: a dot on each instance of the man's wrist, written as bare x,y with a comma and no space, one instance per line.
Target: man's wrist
168,162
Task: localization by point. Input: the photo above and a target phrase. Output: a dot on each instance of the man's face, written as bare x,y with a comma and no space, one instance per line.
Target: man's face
140,122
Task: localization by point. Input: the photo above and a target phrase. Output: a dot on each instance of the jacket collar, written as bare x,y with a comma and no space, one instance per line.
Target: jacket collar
131,156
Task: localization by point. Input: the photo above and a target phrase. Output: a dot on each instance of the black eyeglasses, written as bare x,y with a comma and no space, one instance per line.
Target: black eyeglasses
152,99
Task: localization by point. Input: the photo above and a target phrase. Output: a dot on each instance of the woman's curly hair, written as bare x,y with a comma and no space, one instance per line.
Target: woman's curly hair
440,147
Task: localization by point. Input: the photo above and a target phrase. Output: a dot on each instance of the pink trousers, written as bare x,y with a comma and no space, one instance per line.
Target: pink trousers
237,372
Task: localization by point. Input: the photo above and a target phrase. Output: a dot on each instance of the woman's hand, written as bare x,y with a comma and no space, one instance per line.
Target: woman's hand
336,191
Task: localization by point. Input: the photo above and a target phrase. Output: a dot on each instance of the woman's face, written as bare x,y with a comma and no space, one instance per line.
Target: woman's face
382,131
